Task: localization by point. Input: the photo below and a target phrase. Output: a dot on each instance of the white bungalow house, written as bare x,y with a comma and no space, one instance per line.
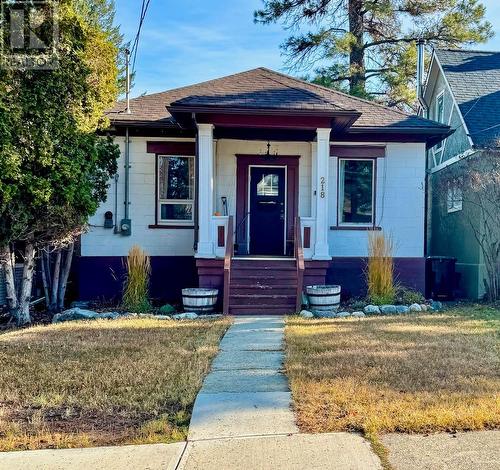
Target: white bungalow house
233,182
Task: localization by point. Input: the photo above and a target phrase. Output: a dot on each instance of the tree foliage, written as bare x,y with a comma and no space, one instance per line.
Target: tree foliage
54,169
367,47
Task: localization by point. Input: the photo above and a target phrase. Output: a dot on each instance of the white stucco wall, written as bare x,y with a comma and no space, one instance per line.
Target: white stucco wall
400,200
399,206
156,242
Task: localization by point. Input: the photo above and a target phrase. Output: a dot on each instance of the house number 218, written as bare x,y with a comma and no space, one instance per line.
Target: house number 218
322,193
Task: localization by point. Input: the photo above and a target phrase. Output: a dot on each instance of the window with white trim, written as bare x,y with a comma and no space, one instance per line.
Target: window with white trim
439,117
175,189
454,195
356,191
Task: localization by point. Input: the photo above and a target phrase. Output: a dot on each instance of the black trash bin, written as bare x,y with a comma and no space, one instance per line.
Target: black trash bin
441,277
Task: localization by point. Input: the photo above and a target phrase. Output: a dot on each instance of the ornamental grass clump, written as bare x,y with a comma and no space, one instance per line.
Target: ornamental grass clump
136,291
380,269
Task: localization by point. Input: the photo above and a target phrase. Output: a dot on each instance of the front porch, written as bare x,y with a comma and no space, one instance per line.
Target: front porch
262,216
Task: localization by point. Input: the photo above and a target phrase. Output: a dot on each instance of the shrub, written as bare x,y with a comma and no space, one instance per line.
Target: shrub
136,291
409,296
167,309
380,269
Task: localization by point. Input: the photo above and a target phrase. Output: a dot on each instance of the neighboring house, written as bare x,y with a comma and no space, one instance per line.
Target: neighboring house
256,151
462,90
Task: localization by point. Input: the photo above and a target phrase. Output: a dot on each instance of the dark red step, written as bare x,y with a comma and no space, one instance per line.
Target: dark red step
262,310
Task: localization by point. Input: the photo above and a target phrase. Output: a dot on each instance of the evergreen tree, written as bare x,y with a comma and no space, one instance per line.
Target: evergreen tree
367,47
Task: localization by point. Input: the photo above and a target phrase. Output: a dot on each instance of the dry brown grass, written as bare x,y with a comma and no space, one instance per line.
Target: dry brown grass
423,373
98,383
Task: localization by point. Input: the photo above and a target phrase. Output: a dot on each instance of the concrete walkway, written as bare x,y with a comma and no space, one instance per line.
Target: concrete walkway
246,394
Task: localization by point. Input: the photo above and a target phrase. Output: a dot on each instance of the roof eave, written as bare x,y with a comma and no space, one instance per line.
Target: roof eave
260,111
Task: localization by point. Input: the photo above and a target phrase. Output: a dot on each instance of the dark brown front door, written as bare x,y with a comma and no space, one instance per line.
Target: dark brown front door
267,210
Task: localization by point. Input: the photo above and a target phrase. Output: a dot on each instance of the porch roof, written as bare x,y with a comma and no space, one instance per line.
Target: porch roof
267,92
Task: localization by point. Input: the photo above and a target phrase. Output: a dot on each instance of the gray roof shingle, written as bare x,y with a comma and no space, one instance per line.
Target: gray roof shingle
264,89
474,78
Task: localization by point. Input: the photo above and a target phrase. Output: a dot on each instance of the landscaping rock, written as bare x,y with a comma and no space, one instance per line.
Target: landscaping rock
343,314
320,314
424,307
436,306
185,316
107,316
402,309
163,317
358,314
371,310
388,309
306,314
415,308
74,314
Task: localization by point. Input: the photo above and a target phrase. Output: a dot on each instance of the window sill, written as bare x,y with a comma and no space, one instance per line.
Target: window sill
355,227
173,227
451,211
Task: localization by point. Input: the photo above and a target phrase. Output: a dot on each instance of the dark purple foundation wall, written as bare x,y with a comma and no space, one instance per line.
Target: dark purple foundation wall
102,277
350,274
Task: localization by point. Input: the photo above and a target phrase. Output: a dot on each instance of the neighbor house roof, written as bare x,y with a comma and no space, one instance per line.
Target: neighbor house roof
474,79
262,88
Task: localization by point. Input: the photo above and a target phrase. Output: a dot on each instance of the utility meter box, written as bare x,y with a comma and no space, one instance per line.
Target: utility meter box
126,227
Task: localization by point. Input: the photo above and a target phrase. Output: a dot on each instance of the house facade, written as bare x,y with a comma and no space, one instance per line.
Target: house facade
259,183
462,90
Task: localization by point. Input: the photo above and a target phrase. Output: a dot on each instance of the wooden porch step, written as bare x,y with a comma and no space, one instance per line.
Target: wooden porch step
283,289
277,266
262,310
261,299
264,276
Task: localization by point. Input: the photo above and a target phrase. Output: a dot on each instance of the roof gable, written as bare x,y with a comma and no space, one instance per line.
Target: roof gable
474,80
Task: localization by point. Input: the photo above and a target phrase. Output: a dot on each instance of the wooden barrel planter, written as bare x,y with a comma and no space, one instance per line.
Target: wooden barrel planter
323,298
199,300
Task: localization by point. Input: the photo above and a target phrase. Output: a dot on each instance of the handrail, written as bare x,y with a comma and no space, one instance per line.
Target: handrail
299,257
228,256
238,226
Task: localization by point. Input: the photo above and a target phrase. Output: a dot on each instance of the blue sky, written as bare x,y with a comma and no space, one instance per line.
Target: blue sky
190,41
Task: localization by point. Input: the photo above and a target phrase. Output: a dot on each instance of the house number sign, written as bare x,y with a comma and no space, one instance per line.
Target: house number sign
322,193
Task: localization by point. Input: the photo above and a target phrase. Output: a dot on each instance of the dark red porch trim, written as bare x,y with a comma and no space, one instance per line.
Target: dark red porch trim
355,151
172,148
242,164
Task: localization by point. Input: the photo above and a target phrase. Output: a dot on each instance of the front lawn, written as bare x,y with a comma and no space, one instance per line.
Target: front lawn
102,383
412,373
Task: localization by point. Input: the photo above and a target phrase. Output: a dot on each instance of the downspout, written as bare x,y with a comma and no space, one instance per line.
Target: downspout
127,172
126,223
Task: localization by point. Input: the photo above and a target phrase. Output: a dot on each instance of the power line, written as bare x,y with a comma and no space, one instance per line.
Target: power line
135,44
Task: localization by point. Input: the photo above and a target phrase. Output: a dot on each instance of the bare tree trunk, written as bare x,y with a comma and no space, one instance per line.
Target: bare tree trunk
55,281
64,276
357,82
7,259
24,317
45,279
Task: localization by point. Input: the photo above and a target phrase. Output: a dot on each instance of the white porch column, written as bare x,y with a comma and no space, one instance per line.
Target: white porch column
321,163
205,190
